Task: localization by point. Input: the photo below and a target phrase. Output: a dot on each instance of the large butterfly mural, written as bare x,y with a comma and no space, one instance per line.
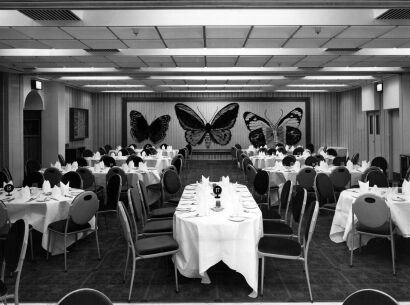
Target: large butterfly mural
196,130
265,132
140,130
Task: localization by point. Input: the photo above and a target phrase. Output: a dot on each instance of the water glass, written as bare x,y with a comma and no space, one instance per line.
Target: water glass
395,187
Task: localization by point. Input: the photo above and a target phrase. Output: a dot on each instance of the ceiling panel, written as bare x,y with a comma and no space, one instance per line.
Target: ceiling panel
90,32
385,43
221,61
225,43
144,44
157,59
399,32
195,81
61,59
184,43
181,32
305,43
91,58
265,43
123,59
19,59
315,61
162,64
364,31
272,31
252,61
104,44
283,61
64,44
193,59
10,33
345,42
4,46
227,32
135,32
43,32
26,44
318,31
405,45
131,64
345,61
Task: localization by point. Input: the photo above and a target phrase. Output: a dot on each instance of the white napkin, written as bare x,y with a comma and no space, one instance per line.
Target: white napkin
349,165
323,166
112,155
118,148
25,194
297,165
58,165
55,191
143,166
131,164
306,153
323,154
292,148
169,148
204,180
97,155
143,154
46,186
75,165
125,167
374,189
406,187
102,166
68,167
364,166
97,167
287,147
225,179
280,155
65,188
119,154
364,186
5,183
266,146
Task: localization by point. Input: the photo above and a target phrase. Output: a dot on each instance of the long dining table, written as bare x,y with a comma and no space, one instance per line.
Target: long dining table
208,236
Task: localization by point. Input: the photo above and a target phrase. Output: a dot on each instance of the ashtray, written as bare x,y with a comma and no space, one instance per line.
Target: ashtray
217,209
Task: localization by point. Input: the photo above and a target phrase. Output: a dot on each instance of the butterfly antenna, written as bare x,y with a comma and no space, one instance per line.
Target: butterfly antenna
281,115
201,114
267,118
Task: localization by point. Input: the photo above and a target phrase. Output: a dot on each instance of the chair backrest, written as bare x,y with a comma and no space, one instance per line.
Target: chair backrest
119,171
53,175
340,177
377,178
82,162
182,152
251,173
32,166
278,145
311,147
83,207
261,182
7,172
189,147
61,159
124,151
3,178
338,161
147,151
238,146
4,219
143,194
74,178
34,179
113,191
369,297
380,162
355,158
178,164
319,158
163,146
87,177
147,146
310,218
285,197
107,147
85,296
136,159
238,155
311,161
130,150
363,177
16,246
87,153
171,182
298,207
153,151
133,146
263,150
245,163
233,152
137,207
306,177
126,228
331,152
271,151
108,161
102,151
371,210
111,152
298,151
281,149
289,160
324,189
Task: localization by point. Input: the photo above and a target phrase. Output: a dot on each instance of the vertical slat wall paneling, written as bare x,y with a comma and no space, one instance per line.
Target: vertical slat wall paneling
353,123
405,114
324,108
395,138
79,99
3,120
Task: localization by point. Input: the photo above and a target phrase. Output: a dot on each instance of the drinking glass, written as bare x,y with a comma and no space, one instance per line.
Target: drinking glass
395,187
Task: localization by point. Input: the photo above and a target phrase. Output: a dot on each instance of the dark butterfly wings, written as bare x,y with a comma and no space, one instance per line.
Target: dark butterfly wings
218,129
256,125
140,130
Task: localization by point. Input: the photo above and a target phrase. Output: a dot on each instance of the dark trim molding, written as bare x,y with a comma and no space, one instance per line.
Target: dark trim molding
126,100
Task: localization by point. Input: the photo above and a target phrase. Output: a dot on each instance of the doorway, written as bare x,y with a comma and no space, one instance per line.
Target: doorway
32,135
373,131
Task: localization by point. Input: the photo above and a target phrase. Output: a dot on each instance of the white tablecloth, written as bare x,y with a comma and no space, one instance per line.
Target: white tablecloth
263,161
118,160
342,220
150,176
204,241
341,151
41,214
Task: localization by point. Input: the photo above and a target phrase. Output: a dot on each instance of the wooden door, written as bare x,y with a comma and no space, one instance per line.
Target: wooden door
374,139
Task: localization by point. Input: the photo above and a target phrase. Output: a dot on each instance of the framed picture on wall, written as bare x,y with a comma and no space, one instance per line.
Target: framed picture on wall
78,124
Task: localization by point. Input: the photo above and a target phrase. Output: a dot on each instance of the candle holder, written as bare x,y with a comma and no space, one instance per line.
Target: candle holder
8,188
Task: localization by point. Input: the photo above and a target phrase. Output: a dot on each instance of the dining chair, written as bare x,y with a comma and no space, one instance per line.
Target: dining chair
189,148
245,162
147,151
166,212
339,161
85,296
289,160
238,146
153,151
73,178
163,146
150,198
298,151
133,146
116,170
13,259
124,151
306,178
3,179
138,215
297,204
241,157
112,152
136,159
53,175
281,149
369,297
340,177
233,153
32,166
147,146
364,175
279,145
373,219
171,188
284,203
146,248
319,159
34,179
130,151
113,192
289,249
61,160
238,157
311,161
311,147
4,221
262,150
108,161
83,208
82,162
325,193
355,158
87,153
177,162
261,187
8,173
107,147
271,151
377,178
89,182
331,152
380,162
102,151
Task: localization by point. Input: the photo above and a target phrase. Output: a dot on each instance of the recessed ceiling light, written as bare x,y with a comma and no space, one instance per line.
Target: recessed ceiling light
212,91
301,90
339,77
95,77
114,86
316,85
216,77
126,91
216,86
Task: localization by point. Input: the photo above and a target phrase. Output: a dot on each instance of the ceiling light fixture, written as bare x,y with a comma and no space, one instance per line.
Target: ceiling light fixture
80,78
115,86
339,77
301,90
217,77
212,91
216,86
126,91
316,85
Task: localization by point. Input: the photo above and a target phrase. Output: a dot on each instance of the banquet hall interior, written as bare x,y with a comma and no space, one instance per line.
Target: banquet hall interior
205,151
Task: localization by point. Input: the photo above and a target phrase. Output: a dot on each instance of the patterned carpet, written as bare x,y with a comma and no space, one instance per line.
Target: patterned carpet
331,277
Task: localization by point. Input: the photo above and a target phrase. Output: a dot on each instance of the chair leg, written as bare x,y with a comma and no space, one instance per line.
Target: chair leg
262,273
360,243
31,245
65,252
351,250
126,263
308,280
393,254
48,244
98,244
176,277
132,278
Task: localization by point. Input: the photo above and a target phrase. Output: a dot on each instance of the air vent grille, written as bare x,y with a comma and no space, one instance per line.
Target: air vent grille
349,50
50,15
399,13
102,51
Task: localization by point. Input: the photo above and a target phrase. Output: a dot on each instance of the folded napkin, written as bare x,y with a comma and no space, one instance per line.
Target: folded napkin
75,165
323,166
58,165
46,186
266,146
131,164
349,165
169,148
280,155
118,148
204,180
55,191
297,165
97,167
65,188
364,186
143,154
25,194
406,187
112,155
68,167
125,167
323,154
306,153
119,154
97,155
374,189
143,166
292,148
365,165
287,147
225,179
5,183
102,165
251,147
